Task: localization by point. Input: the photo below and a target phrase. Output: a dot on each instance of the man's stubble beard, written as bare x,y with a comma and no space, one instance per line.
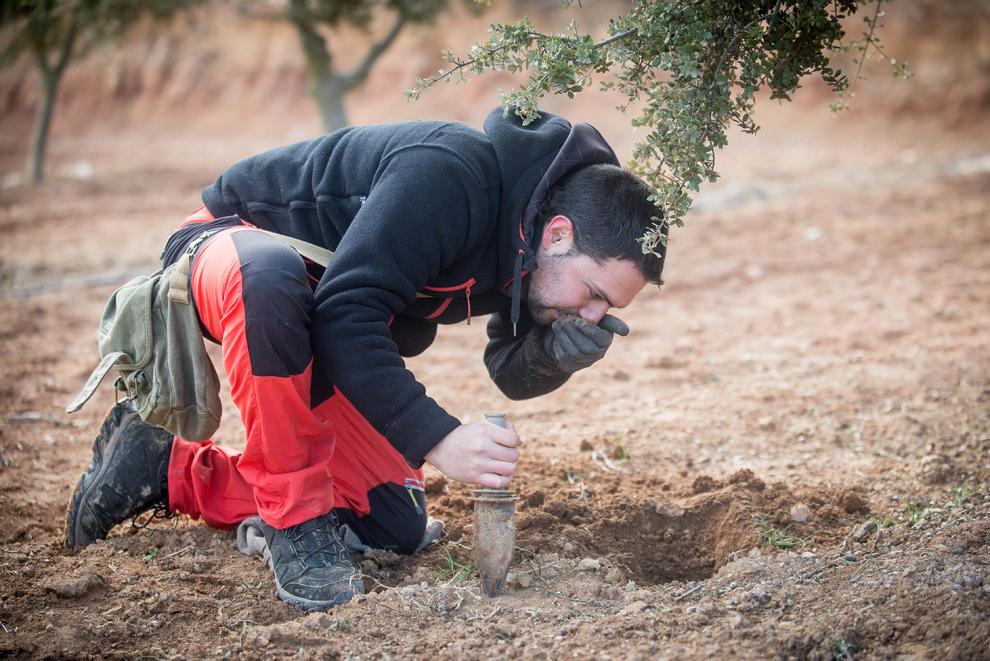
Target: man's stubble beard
544,312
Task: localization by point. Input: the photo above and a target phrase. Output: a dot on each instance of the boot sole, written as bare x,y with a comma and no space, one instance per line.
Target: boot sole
85,486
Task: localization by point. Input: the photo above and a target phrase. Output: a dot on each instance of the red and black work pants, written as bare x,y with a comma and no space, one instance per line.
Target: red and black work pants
254,295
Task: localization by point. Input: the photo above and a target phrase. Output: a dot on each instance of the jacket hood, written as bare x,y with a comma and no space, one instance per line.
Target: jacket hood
531,159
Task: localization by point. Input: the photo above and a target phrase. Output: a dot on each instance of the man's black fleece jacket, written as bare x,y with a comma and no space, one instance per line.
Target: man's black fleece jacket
424,219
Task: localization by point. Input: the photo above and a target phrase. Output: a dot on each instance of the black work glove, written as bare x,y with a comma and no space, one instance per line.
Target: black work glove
577,343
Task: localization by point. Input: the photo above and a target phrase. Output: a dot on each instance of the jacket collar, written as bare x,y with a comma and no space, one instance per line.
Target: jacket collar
532,159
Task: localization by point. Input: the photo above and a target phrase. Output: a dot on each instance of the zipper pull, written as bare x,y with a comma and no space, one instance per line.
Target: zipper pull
467,296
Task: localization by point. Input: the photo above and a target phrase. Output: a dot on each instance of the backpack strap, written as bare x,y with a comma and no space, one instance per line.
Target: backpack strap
92,383
178,292
178,283
314,253
178,279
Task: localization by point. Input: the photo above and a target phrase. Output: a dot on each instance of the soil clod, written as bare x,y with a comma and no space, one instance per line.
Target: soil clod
75,586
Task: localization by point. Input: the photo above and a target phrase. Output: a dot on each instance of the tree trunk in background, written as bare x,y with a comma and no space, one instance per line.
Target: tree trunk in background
325,85
328,86
329,95
51,76
39,139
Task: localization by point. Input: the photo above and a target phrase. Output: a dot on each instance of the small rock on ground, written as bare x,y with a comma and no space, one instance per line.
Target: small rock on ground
669,509
800,513
589,564
864,531
74,587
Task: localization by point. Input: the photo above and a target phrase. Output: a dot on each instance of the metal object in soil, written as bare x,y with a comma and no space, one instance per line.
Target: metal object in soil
494,529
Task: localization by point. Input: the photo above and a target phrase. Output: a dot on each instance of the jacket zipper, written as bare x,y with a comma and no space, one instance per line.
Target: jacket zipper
466,286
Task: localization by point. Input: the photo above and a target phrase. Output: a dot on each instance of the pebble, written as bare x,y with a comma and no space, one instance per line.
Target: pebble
257,637
936,469
972,579
317,621
807,555
28,570
851,557
670,509
800,513
614,575
759,595
864,531
589,564
633,607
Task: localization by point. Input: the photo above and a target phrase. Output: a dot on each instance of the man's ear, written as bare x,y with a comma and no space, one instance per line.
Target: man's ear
558,236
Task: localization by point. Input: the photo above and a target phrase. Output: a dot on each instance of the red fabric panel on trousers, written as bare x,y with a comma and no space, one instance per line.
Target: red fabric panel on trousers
362,457
297,462
287,455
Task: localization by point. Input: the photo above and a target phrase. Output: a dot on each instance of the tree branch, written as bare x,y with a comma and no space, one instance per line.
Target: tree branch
866,46
615,37
360,73
36,30
536,36
70,41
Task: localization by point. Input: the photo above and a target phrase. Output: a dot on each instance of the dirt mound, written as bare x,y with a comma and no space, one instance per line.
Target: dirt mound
655,531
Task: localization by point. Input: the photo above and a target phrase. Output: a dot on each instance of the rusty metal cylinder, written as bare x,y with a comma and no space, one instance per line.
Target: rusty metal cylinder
494,529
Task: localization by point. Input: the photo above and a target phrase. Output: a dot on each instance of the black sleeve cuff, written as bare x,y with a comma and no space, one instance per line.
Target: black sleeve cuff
419,428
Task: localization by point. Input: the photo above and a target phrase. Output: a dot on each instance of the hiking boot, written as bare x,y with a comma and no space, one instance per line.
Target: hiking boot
313,569
128,476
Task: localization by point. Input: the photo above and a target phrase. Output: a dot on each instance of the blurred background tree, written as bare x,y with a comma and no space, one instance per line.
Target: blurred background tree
690,68
328,83
53,32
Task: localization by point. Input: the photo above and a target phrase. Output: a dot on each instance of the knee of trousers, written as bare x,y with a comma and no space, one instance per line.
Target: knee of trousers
396,522
409,532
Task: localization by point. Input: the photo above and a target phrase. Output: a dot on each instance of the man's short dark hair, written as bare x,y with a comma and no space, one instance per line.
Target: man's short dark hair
609,208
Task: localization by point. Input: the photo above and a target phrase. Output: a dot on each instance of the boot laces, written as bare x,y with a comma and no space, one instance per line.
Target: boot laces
325,532
159,512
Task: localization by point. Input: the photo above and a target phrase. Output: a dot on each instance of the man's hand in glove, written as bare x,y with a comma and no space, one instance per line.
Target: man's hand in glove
578,343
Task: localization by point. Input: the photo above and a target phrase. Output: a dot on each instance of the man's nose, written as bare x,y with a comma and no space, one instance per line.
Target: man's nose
594,312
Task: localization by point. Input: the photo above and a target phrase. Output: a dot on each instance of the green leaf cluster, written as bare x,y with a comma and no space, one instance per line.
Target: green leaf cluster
690,68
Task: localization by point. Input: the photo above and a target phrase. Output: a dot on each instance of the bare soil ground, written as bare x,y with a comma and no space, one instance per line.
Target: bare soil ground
787,457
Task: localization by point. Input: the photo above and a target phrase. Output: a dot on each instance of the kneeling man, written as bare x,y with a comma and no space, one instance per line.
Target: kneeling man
430,223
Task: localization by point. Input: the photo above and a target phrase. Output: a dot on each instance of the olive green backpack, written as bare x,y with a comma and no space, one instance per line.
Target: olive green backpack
150,333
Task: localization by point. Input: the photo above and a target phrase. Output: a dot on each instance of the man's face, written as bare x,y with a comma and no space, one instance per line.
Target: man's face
569,283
